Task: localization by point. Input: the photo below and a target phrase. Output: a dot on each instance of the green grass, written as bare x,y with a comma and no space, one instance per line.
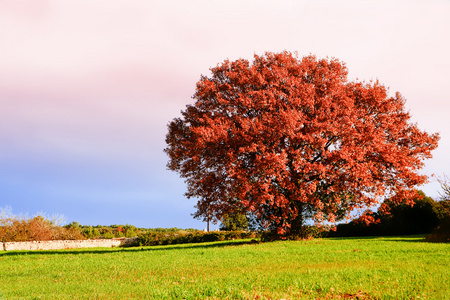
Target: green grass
346,268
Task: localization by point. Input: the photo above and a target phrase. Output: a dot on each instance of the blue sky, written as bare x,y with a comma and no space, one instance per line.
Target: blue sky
87,88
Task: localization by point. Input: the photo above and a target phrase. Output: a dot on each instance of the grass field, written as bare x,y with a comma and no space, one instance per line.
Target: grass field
347,268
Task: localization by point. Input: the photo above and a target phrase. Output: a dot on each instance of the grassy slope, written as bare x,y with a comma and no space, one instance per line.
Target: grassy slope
378,268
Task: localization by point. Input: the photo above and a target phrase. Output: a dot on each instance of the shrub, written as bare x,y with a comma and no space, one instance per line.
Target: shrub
307,232
440,234
87,232
112,231
39,228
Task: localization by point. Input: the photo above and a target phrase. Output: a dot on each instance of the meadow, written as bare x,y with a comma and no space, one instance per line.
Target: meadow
332,268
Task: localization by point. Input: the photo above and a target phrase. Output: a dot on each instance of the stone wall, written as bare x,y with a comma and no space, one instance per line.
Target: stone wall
69,244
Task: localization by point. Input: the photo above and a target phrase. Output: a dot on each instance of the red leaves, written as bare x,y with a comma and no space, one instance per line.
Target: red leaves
367,218
287,138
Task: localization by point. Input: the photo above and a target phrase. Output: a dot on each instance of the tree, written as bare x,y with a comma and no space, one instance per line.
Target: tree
287,139
394,218
442,233
444,200
234,221
401,218
445,186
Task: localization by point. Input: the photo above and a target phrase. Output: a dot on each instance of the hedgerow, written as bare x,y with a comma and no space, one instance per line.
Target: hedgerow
153,238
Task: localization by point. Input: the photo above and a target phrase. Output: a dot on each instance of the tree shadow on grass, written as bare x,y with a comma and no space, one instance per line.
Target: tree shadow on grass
422,240
221,244
395,238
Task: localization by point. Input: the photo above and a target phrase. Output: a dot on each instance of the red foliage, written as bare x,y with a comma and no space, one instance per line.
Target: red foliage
367,218
14,229
288,138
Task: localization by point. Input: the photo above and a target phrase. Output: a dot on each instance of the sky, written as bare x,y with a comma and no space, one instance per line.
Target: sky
87,89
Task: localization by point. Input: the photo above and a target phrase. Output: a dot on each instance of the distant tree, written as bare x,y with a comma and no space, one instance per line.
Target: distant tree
234,221
74,224
287,139
421,216
445,186
444,201
130,230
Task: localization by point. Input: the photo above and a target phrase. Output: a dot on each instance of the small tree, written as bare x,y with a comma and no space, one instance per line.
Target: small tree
442,233
289,139
444,200
234,221
445,186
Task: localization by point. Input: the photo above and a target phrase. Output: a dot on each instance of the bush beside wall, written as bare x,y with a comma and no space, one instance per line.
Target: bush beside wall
38,228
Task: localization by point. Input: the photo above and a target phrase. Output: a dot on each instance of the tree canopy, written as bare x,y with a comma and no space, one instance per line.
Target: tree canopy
286,139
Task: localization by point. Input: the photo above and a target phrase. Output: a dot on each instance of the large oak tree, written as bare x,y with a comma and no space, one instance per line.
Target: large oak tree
288,139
